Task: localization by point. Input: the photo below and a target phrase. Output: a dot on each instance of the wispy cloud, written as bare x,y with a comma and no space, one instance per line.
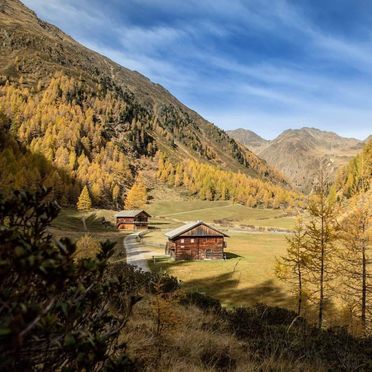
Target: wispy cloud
256,63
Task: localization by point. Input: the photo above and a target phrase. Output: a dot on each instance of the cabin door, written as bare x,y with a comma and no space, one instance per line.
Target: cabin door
208,254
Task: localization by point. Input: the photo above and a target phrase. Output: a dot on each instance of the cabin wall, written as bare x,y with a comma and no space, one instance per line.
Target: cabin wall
126,226
131,223
170,249
197,248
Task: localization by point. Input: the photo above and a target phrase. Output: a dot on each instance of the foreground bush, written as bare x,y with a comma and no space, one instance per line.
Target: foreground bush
56,312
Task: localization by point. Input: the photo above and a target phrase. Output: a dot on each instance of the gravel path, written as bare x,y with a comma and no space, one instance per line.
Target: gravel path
135,251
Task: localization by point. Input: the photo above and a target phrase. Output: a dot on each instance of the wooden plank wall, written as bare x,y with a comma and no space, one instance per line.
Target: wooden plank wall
198,248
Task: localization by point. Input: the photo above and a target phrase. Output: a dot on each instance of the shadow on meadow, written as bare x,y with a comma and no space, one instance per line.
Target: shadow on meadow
226,287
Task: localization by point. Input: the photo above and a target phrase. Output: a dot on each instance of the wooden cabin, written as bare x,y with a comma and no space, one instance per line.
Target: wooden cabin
196,241
132,219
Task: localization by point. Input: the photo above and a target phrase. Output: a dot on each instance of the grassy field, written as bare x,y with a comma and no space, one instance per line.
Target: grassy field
245,278
99,224
221,212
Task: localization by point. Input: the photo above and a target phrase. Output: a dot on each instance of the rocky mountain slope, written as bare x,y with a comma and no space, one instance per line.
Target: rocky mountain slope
298,153
248,138
144,117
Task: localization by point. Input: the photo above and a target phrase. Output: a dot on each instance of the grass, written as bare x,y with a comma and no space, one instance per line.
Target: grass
69,223
222,212
193,340
170,207
245,278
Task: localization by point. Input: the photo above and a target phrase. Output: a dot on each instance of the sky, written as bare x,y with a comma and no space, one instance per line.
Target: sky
263,65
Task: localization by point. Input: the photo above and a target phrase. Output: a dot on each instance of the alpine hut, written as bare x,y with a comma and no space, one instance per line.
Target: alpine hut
132,219
195,241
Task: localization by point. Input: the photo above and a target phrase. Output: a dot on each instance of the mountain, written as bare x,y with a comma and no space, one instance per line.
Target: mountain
298,153
95,119
248,138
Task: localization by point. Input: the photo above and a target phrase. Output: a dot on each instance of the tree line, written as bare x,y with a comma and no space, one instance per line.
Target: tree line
208,182
80,133
329,256
355,176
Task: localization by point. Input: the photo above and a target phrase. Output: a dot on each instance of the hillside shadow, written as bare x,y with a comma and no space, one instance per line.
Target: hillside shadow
96,223
226,288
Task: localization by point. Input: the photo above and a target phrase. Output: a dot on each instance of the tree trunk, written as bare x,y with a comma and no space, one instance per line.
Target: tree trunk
321,281
364,288
321,295
299,305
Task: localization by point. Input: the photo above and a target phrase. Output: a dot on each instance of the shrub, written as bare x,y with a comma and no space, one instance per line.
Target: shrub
57,312
87,246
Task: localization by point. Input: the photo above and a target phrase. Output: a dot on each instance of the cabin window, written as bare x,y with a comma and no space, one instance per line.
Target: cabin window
192,240
182,240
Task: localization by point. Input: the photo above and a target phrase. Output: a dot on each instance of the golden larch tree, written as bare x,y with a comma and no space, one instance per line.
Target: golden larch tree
84,202
356,255
291,268
137,195
322,235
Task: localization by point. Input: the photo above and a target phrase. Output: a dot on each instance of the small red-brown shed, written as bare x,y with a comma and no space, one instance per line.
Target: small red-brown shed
132,219
195,241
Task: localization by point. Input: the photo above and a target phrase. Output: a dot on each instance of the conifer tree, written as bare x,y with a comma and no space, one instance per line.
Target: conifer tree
356,254
137,195
115,195
321,233
292,267
84,202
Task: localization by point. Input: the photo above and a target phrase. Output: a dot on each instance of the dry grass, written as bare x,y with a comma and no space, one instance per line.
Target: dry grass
197,341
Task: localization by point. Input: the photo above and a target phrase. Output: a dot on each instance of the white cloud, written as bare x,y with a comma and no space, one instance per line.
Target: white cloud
269,93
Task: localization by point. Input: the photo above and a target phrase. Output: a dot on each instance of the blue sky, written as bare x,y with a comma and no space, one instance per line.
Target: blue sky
264,65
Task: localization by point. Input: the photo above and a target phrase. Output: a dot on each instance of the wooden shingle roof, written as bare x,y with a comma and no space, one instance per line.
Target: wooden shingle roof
190,226
131,213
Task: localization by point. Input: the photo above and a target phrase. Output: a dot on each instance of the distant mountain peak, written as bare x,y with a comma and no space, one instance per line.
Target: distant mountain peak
298,152
250,139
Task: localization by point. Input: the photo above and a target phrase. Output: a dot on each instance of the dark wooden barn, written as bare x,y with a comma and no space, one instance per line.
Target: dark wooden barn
195,241
132,220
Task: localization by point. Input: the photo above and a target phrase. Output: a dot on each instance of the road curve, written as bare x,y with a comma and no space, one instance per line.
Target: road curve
135,251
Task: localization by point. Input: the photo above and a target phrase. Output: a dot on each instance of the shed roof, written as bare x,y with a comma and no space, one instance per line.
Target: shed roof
131,213
189,226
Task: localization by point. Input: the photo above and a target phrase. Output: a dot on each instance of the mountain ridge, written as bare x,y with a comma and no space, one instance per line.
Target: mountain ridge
250,139
33,50
96,121
298,153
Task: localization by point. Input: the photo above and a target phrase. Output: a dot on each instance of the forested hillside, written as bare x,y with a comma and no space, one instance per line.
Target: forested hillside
210,183
356,176
93,119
